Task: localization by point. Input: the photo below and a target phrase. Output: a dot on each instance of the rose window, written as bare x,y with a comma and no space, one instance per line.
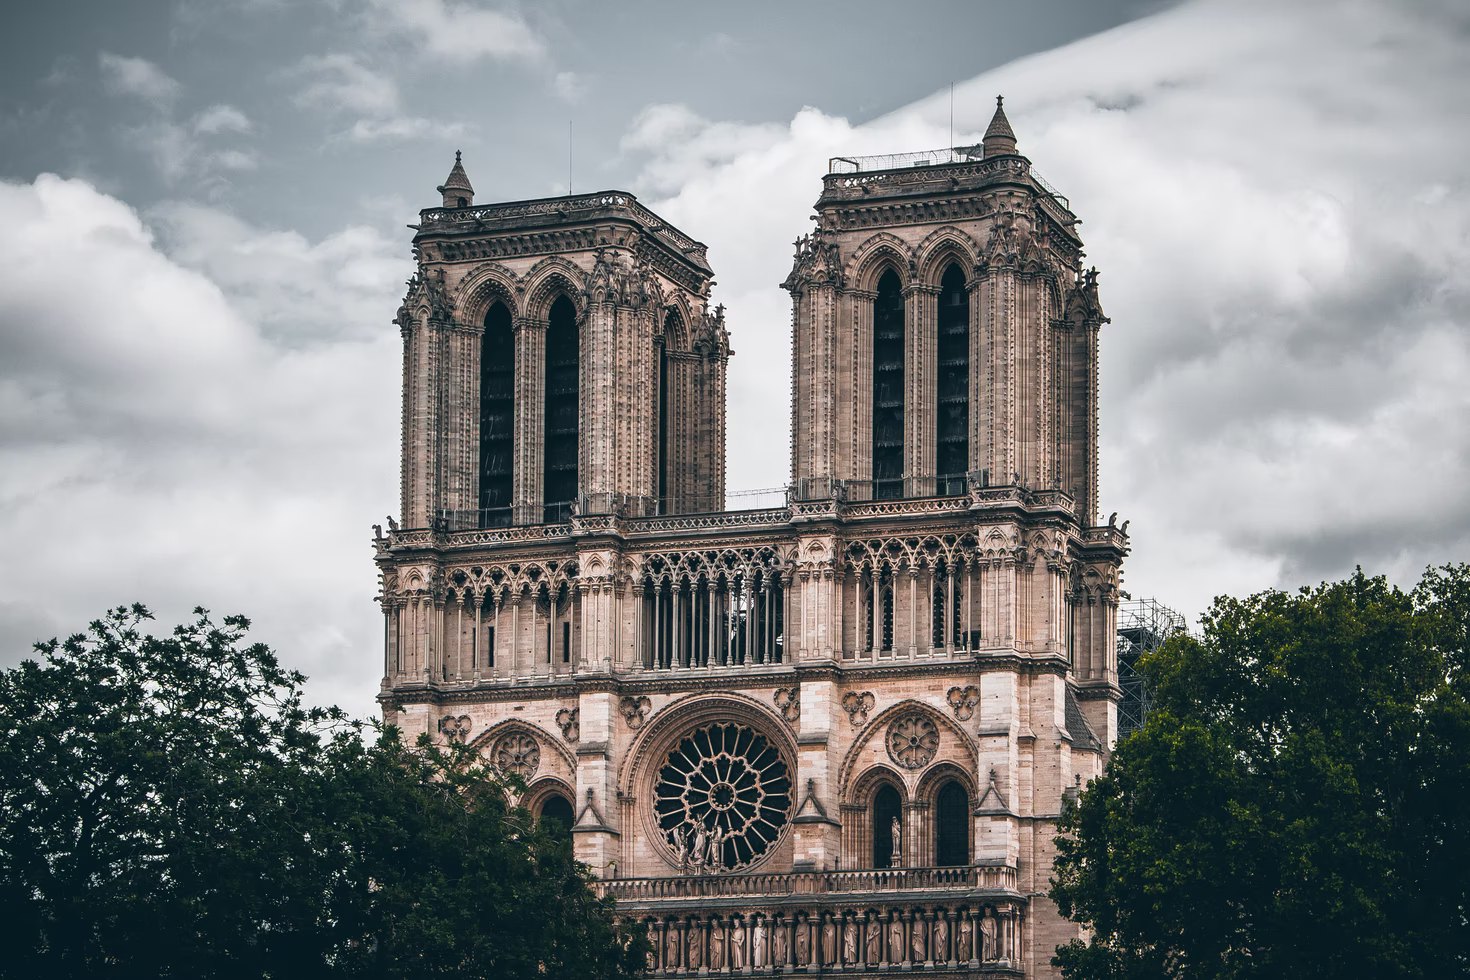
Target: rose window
518,753
913,740
723,787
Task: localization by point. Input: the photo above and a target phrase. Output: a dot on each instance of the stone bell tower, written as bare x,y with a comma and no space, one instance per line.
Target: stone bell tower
559,355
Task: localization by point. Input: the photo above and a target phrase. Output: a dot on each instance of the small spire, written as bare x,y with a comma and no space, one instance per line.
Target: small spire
999,137
457,190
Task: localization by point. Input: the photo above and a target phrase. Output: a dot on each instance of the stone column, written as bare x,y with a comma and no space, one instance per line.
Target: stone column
530,411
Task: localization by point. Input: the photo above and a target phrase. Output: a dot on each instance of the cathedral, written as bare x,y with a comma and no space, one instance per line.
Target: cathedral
832,734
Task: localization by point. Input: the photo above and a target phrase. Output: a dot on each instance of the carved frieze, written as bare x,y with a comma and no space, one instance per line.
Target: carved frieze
456,729
913,739
857,705
634,710
963,700
788,702
567,720
519,753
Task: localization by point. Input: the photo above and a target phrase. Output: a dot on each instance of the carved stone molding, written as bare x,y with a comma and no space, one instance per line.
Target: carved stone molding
913,740
788,701
857,707
634,710
964,700
568,721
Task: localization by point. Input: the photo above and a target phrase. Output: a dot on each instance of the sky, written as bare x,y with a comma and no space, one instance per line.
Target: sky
202,245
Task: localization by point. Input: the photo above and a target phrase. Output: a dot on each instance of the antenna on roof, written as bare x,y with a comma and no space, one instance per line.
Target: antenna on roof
569,158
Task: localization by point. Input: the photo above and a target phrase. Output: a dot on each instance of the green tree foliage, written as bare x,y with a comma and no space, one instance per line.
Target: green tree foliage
1297,804
169,808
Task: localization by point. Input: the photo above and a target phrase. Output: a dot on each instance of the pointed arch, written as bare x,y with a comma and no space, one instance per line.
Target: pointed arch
952,395
497,414
562,409
483,286
889,385
882,251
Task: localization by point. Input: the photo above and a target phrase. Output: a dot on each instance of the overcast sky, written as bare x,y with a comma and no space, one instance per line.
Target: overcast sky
202,242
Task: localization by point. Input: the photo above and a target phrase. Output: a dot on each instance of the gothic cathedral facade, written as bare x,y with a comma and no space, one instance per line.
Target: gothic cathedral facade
830,735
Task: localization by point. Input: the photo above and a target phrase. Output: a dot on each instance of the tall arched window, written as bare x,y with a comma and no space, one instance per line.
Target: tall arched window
888,385
556,812
952,826
886,807
671,324
497,416
559,475
953,430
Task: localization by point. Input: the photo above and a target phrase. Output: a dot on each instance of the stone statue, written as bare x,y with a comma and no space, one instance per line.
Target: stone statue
671,948
875,942
717,945
918,943
758,944
715,859
737,945
966,937
695,952
895,940
803,944
652,947
896,829
850,942
829,942
941,937
778,943
987,938
696,853
681,850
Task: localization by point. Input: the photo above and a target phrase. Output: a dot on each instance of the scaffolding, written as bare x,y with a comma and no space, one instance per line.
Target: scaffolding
1143,626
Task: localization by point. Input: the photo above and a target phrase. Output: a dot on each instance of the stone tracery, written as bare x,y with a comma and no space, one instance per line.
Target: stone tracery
722,798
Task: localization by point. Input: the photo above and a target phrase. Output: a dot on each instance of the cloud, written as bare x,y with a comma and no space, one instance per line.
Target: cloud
137,77
460,31
397,128
177,150
222,119
569,86
210,420
342,82
1272,193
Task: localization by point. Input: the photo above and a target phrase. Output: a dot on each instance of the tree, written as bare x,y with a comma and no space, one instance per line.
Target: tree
1295,805
168,807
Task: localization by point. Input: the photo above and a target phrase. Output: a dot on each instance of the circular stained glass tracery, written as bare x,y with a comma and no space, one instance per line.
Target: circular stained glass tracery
724,787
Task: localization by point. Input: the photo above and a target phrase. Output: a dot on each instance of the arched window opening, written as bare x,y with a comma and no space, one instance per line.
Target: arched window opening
497,416
952,826
886,808
888,387
556,814
559,475
671,322
939,582
953,392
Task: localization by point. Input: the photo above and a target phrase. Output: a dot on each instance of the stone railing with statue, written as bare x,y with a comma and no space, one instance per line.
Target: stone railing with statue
971,935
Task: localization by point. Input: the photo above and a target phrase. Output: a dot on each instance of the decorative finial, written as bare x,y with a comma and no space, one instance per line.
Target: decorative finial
456,156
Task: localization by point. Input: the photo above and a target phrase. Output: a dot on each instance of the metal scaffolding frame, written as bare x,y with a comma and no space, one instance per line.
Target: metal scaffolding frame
1143,626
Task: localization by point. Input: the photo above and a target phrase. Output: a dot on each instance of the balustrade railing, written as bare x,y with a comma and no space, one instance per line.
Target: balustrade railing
875,881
